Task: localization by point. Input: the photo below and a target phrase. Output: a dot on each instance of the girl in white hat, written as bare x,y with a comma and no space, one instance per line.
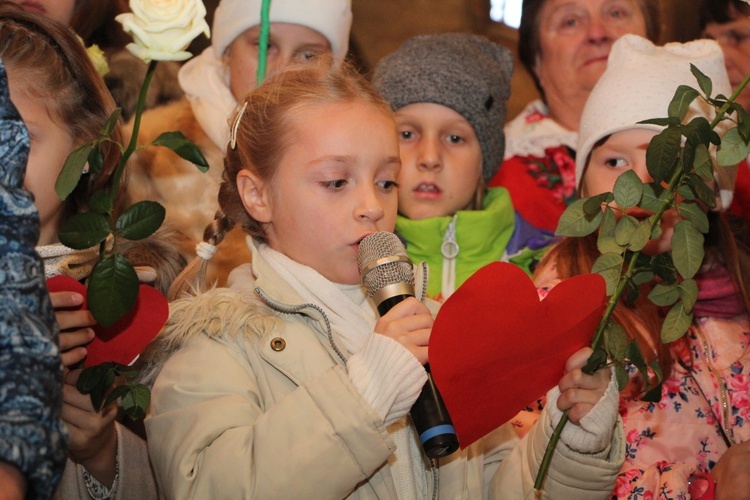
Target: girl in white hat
213,83
701,424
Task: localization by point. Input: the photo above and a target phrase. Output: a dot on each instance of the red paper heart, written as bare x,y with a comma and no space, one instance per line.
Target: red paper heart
124,340
495,347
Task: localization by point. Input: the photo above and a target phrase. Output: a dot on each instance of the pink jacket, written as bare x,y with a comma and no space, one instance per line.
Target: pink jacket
705,406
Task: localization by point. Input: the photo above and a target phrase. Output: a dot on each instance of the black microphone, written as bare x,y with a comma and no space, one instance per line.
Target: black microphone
387,274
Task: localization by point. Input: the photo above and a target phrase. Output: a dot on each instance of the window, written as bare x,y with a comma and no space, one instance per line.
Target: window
507,12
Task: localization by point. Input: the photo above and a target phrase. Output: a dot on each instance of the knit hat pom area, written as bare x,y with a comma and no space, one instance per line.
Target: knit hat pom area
639,83
330,18
465,72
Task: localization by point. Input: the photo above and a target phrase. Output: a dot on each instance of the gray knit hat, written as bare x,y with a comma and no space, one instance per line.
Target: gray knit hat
467,73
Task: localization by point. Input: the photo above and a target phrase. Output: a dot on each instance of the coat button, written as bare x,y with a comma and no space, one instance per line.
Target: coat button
278,344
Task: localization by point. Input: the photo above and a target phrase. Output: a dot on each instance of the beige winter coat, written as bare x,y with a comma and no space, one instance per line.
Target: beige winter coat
188,195
255,402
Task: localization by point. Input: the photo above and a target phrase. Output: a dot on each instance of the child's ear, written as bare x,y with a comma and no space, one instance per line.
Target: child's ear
254,194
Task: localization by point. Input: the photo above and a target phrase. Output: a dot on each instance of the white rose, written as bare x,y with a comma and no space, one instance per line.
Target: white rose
163,29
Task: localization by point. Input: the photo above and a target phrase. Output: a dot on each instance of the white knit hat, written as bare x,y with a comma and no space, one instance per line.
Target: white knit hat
330,18
640,82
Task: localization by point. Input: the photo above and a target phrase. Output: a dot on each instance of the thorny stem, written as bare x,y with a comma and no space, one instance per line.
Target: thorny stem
611,305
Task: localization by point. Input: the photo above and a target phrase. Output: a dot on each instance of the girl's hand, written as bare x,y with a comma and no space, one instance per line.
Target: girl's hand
74,331
409,323
93,438
580,392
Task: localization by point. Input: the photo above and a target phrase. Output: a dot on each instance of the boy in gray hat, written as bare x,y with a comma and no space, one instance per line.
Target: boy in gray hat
449,93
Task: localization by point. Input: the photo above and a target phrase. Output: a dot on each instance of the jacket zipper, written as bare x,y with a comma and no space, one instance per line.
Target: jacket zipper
450,250
723,398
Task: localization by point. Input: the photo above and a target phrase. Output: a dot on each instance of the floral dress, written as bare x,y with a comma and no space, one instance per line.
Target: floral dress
539,166
704,407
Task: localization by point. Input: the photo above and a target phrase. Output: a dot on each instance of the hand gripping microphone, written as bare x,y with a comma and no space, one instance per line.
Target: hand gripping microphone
387,274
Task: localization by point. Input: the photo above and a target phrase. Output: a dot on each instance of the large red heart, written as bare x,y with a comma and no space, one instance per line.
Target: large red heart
495,347
124,340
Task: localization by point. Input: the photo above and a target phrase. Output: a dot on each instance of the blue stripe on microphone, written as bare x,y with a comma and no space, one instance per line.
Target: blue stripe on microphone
436,431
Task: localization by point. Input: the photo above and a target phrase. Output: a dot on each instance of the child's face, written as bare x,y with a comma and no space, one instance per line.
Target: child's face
287,44
623,151
50,145
334,186
441,161
57,10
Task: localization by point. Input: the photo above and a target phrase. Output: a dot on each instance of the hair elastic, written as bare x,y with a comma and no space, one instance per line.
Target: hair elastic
205,250
236,126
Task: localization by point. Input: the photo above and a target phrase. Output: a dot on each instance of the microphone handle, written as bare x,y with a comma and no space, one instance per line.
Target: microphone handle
430,417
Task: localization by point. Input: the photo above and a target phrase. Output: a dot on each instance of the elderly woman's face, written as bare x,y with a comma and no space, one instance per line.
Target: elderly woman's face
575,37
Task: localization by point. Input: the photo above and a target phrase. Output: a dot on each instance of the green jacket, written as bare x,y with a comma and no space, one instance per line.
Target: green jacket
476,237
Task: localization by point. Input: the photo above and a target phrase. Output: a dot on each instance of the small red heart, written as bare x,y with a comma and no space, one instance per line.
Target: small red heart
495,347
124,340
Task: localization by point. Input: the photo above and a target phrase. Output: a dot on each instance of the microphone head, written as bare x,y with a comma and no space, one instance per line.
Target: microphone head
383,262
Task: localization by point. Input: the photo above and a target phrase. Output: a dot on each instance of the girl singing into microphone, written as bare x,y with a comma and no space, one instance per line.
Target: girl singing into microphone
286,384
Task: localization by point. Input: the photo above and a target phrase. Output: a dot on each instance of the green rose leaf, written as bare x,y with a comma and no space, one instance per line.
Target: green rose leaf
95,159
662,122
609,265
743,121
656,230
101,203
681,101
96,381
84,230
704,82
109,125
664,294
628,190
593,204
686,191
702,191
184,148
640,236
688,290
687,249
596,361
625,228
642,277
622,377
140,220
676,323
702,164
136,401
652,197
636,359
654,395
663,267
115,394
112,289
733,148
615,341
606,242
630,292
695,214
575,222
72,170
698,131
662,152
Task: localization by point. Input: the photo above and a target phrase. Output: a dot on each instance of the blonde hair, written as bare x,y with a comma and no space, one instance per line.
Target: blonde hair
261,135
